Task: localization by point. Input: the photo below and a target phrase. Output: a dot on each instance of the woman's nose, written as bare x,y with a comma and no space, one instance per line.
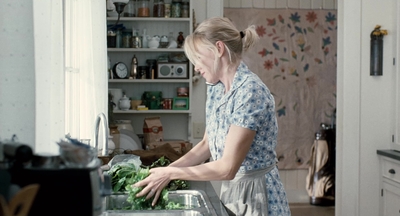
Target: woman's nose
196,69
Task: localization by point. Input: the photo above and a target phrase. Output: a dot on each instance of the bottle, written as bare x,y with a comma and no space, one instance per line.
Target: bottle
134,67
144,39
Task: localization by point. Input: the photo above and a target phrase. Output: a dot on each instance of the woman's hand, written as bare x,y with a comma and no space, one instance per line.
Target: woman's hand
154,183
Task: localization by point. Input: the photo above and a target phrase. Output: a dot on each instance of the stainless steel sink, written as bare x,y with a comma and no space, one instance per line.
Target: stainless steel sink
196,203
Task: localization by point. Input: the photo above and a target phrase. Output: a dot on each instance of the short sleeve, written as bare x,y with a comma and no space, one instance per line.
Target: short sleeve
252,104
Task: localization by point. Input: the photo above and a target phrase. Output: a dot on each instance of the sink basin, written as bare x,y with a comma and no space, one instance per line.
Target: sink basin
196,203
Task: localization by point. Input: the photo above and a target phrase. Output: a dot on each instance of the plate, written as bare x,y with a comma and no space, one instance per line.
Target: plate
127,143
132,135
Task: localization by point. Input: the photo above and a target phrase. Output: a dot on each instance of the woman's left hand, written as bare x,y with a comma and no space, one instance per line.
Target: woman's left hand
154,183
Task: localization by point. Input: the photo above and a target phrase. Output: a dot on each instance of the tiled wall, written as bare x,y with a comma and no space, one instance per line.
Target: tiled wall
293,180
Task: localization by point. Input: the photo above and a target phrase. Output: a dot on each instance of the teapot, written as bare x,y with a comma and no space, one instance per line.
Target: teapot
124,103
153,42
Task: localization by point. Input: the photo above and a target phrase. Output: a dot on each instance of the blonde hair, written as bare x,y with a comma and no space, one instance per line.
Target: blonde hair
220,29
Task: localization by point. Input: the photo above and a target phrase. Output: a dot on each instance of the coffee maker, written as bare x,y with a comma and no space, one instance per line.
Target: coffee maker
63,190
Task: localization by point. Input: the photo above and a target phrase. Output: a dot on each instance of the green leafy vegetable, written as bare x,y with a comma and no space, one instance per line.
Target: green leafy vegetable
124,175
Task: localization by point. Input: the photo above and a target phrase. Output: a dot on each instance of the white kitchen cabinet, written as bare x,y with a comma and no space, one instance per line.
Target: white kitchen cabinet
176,123
389,183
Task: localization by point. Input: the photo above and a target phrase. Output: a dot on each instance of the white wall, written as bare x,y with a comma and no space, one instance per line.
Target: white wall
365,104
30,63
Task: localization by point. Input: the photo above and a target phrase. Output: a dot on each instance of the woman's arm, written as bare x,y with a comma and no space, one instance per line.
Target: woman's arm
237,145
238,142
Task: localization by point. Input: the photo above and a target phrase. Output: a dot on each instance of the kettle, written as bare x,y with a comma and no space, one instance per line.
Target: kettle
124,103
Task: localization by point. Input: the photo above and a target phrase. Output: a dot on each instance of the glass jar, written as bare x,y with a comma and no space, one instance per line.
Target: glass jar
126,39
143,8
119,39
185,9
176,8
130,9
167,10
159,8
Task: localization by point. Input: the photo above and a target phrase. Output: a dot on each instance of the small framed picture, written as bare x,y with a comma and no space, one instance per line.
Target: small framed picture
180,103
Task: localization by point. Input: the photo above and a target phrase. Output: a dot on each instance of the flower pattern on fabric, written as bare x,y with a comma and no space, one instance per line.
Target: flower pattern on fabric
248,104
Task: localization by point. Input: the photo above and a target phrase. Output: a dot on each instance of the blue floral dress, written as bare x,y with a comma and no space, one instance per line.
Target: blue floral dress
248,104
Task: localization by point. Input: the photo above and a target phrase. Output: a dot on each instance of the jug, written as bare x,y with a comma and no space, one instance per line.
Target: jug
124,103
153,42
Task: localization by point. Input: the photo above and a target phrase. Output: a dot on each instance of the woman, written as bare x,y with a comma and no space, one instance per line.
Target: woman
241,127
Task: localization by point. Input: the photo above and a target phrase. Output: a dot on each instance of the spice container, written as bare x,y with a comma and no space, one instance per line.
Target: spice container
185,9
143,8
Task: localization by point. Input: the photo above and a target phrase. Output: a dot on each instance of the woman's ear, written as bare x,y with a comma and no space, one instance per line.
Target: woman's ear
220,47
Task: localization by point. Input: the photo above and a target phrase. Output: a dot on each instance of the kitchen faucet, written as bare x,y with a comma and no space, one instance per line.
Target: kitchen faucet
99,118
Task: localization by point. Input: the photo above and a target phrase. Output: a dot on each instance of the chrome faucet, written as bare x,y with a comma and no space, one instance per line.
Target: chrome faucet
99,118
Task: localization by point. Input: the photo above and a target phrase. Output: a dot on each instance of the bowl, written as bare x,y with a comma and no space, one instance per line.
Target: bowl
77,157
135,103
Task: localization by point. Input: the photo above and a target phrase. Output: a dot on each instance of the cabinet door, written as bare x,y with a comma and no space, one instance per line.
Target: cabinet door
391,198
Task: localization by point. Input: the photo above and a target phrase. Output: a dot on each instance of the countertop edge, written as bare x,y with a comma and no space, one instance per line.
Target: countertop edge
389,153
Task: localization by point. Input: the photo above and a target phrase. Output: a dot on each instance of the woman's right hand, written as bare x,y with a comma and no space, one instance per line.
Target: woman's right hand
154,183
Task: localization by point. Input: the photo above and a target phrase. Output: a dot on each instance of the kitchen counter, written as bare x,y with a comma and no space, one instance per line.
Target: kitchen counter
207,187
389,153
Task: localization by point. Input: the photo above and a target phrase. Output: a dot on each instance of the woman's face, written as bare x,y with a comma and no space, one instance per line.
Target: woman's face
205,64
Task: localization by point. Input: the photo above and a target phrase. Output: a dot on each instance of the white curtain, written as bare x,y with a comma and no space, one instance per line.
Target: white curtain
85,65
70,69
49,79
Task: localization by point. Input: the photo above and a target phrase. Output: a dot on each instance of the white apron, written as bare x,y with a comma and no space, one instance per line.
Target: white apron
246,194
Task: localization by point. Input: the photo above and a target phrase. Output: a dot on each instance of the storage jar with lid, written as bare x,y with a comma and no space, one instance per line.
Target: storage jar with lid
143,8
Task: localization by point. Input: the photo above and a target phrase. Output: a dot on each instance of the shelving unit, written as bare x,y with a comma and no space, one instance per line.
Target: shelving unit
176,123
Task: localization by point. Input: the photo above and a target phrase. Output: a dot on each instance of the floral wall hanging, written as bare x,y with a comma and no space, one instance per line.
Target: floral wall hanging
296,58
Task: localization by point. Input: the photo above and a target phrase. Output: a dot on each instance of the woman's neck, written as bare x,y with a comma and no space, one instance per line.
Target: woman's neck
228,71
